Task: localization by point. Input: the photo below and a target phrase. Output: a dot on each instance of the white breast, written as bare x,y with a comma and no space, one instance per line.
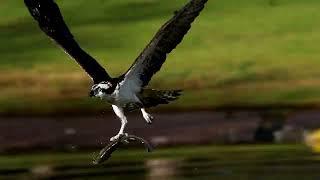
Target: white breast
124,94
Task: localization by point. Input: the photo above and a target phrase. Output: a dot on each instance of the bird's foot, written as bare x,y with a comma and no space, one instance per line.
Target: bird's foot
148,117
118,136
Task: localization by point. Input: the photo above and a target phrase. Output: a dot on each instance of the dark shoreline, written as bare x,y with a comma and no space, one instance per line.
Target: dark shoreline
161,109
171,128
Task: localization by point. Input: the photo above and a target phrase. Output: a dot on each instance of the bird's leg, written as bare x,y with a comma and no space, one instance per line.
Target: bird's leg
120,113
146,116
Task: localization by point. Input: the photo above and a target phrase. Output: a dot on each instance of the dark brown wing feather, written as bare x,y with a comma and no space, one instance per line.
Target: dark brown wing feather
47,14
166,39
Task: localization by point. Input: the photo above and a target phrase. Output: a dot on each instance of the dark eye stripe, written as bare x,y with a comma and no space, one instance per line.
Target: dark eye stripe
94,86
107,91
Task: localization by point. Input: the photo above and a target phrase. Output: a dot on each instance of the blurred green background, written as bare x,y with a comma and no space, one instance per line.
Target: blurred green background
238,53
260,55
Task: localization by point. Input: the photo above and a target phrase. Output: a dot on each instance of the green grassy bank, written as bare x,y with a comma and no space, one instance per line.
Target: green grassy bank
249,52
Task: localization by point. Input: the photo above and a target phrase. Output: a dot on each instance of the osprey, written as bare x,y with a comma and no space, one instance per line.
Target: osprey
127,92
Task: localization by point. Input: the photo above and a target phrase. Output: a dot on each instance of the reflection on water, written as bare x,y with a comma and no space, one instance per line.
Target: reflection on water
226,164
162,168
171,169
42,171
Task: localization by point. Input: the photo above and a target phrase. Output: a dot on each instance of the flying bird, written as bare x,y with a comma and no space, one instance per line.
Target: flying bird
129,91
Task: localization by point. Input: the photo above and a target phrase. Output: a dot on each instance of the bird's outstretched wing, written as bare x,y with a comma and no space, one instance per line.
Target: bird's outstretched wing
166,39
47,14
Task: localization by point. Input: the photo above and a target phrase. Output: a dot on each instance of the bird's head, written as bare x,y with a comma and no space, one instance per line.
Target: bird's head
101,90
